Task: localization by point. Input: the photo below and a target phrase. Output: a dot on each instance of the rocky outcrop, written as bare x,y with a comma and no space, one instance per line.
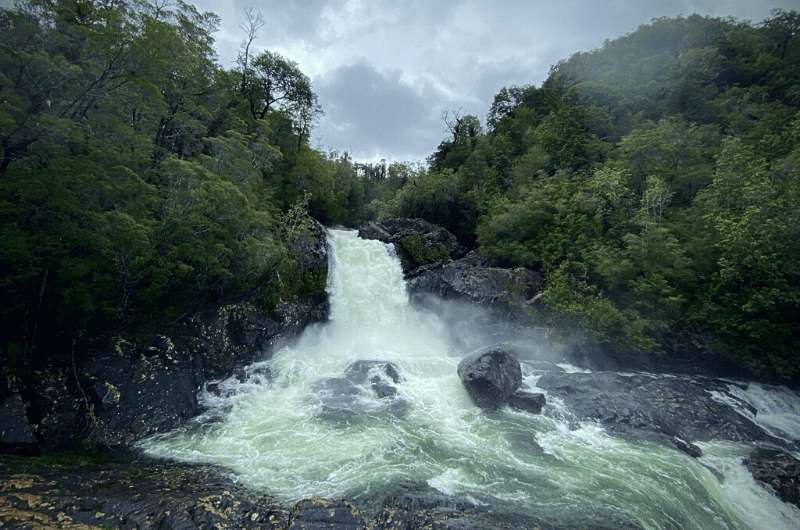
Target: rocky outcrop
778,470
417,242
132,387
491,376
508,293
664,407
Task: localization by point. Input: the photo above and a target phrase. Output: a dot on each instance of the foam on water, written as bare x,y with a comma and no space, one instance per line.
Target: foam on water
269,431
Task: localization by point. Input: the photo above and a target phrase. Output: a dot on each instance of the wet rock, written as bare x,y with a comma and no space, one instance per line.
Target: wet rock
59,412
141,494
16,432
135,397
778,470
654,407
417,242
319,514
686,447
491,376
338,395
347,395
527,401
509,293
429,509
381,375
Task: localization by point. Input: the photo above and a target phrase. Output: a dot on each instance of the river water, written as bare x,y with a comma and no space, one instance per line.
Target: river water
271,430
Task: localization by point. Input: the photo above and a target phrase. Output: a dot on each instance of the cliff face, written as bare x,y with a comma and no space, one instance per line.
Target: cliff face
134,386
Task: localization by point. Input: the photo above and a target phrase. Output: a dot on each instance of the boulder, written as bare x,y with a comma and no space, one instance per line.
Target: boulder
367,386
491,376
527,401
778,470
381,375
16,432
417,242
509,293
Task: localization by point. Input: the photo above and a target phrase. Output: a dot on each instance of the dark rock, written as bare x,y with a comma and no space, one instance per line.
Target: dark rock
59,413
417,242
654,407
490,376
142,494
345,396
135,397
382,376
360,371
686,447
319,514
527,401
509,293
338,395
16,432
428,509
778,470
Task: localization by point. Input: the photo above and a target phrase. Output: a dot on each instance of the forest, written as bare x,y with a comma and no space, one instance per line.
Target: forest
654,182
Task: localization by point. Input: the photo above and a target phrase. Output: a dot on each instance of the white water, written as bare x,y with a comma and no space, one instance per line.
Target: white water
270,431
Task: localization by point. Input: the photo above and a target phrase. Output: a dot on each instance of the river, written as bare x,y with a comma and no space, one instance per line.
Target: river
278,431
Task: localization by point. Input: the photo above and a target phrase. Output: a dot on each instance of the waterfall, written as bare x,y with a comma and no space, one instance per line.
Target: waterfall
279,430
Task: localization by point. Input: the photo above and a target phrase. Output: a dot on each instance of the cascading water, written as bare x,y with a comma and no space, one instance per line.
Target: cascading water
273,431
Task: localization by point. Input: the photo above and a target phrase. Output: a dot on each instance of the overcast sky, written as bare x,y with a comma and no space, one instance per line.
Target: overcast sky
385,70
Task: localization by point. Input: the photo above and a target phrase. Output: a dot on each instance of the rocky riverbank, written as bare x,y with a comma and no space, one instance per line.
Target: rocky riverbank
145,494
132,386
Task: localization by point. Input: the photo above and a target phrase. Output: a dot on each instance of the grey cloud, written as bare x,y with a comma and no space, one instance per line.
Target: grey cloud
371,114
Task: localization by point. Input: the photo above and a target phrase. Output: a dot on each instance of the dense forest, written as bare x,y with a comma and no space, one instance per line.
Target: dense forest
655,182
139,179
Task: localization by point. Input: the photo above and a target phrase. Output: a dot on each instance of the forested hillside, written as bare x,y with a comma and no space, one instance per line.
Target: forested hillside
139,179
654,181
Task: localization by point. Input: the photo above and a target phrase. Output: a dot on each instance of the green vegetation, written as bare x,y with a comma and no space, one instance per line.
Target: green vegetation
421,254
655,182
140,180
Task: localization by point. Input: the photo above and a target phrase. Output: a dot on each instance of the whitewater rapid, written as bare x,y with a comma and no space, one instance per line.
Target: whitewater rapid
269,430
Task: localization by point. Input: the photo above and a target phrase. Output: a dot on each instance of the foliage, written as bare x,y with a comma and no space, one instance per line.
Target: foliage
140,180
653,181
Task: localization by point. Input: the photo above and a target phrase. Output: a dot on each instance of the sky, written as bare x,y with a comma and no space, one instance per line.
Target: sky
385,71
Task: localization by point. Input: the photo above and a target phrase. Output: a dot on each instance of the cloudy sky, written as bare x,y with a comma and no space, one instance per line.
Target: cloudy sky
385,70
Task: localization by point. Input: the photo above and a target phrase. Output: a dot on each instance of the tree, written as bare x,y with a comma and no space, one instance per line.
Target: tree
278,84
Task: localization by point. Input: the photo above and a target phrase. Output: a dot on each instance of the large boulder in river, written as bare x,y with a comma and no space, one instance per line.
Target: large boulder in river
779,470
417,242
491,376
